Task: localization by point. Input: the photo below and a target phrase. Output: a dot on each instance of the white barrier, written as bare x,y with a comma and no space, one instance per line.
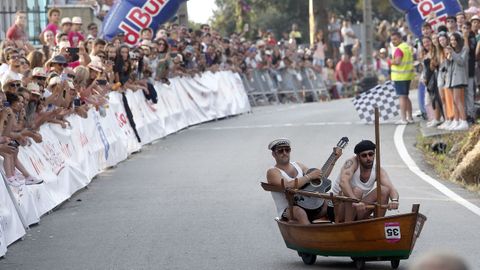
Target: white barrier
68,159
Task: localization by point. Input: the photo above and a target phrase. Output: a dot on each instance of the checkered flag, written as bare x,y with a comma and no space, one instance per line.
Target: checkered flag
382,96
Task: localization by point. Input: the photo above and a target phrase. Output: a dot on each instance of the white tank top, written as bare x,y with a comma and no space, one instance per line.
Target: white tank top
279,197
367,186
356,182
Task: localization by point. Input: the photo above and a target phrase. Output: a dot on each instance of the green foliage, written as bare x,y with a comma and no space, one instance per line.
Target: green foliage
279,15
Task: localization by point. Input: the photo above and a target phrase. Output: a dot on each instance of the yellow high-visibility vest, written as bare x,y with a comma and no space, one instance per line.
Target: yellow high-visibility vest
404,71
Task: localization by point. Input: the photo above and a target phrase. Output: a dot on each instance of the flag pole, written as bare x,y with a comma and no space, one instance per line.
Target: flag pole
312,23
377,163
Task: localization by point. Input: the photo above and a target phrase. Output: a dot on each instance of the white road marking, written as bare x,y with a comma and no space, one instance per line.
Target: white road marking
282,125
407,159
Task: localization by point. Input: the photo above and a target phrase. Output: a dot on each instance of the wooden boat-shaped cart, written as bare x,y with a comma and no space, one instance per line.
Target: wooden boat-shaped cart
389,238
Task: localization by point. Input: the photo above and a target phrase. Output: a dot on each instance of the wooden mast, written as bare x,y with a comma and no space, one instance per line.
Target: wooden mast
377,163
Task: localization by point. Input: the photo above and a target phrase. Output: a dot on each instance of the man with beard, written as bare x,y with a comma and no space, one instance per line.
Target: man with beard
357,179
290,173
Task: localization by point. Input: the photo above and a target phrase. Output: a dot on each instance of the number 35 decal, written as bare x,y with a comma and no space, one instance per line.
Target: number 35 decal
392,232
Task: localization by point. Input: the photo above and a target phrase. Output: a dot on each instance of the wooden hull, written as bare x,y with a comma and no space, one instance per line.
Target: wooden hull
391,237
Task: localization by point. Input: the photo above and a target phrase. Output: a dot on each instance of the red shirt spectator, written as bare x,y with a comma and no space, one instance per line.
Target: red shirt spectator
344,70
16,32
53,20
75,36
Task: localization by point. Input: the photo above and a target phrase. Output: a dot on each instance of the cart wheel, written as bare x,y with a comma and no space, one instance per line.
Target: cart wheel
360,264
395,263
307,258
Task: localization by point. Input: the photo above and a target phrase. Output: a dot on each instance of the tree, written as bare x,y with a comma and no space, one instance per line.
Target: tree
278,16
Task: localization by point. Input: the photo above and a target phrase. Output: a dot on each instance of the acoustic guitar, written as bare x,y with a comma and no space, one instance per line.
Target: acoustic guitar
321,185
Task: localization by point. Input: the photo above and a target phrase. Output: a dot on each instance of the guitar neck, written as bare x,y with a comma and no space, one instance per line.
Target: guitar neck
328,164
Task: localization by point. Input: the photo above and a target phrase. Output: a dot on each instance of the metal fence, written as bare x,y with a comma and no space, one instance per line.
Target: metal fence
36,16
283,86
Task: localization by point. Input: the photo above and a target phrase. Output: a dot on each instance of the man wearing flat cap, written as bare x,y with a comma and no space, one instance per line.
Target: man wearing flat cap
357,179
289,172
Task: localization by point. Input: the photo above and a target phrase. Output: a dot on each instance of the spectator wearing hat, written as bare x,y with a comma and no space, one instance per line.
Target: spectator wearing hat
66,26
357,179
288,174
39,77
31,120
56,64
11,84
383,63
75,36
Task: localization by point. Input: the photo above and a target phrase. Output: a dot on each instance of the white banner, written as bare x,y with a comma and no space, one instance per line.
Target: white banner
68,159
11,227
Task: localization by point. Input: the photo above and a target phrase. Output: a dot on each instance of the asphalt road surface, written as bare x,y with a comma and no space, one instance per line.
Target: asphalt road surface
193,200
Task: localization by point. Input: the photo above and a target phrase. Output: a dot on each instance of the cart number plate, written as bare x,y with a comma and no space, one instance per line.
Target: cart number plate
392,232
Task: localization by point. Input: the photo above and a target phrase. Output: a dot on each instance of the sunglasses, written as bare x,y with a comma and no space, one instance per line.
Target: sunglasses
14,85
39,78
369,154
286,150
14,57
71,76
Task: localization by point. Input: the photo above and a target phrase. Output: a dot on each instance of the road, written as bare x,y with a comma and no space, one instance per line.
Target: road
193,201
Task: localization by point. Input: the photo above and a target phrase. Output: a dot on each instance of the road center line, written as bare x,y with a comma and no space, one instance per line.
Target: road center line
407,159
310,124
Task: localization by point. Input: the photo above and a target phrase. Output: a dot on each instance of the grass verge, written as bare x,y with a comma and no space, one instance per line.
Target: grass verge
444,162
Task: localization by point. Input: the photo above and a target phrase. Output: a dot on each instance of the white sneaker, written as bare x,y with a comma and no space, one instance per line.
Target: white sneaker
445,124
462,125
433,123
13,181
410,121
452,125
32,181
401,122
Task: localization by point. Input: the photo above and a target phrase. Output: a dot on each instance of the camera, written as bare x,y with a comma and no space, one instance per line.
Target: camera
73,50
76,102
102,82
133,55
6,103
14,143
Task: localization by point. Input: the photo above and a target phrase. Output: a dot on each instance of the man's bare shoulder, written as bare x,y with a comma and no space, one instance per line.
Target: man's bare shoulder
273,175
350,164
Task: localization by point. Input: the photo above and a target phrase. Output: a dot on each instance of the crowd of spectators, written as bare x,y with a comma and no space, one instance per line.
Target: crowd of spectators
75,70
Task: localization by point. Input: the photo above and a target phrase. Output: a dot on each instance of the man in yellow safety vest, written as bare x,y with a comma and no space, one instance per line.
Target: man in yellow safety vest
402,75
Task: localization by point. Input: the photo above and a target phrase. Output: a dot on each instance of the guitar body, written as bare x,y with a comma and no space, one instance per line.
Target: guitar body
312,203
322,185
